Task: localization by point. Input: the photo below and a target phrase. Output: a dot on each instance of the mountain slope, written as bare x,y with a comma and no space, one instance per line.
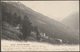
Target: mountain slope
52,28
72,21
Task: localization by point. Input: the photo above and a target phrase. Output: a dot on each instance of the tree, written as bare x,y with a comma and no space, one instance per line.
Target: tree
26,27
37,33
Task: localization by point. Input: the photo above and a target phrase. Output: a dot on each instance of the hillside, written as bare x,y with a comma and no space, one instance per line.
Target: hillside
72,21
52,28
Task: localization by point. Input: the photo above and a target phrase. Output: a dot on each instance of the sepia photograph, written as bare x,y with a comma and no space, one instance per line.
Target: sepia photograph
39,26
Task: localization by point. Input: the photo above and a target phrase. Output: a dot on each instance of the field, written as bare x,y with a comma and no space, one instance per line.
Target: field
7,45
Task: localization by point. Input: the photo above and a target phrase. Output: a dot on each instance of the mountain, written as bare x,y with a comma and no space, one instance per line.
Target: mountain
72,21
52,28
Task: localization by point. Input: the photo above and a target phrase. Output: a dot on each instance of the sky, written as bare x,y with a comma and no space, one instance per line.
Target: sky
54,9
